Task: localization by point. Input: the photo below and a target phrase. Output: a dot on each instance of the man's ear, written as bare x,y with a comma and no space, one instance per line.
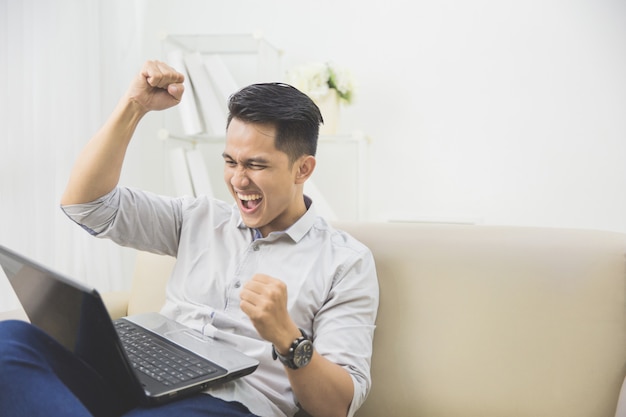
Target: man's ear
306,166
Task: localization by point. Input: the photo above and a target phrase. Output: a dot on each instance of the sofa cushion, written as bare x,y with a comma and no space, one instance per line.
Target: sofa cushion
496,321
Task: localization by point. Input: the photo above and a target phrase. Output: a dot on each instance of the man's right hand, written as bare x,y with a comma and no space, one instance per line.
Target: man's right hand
157,87
98,167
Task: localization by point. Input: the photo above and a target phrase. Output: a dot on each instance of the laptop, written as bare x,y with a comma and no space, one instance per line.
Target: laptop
124,350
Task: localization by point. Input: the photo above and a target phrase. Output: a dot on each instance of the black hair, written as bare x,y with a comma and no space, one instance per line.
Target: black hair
294,115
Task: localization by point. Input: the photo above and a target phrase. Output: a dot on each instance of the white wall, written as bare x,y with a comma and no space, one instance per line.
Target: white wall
502,112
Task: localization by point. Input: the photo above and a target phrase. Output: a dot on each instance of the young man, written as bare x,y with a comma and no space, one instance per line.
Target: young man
265,274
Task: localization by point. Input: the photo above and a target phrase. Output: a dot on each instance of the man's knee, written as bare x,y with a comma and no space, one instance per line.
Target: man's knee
14,336
11,329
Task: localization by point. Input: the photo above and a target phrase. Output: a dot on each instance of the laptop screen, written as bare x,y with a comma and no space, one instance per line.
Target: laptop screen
49,303
76,317
72,314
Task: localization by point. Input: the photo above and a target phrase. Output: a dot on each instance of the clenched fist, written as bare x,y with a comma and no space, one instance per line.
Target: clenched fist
264,300
157,86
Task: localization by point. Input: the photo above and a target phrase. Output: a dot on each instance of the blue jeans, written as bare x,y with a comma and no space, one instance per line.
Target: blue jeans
39,377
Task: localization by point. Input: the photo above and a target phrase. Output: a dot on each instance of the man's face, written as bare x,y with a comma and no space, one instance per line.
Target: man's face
266,187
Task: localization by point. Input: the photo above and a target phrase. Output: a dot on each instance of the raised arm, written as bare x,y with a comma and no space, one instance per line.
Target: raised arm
98,167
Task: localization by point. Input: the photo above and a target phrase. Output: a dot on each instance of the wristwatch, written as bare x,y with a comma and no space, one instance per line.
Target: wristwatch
299,354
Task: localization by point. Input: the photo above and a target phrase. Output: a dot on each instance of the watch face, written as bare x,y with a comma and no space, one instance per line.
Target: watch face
303,353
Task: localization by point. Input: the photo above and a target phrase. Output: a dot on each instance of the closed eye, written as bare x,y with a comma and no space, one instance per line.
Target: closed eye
228,160
256,166
252,163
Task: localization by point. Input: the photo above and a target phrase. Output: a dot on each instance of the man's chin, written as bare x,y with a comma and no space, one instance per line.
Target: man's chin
250,221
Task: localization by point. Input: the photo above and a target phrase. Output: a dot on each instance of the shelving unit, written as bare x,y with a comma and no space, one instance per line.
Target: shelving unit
240,60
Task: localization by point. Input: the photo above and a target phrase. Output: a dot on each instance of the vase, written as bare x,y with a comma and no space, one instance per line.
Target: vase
329,107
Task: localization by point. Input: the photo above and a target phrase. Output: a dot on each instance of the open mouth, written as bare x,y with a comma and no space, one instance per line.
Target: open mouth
250,201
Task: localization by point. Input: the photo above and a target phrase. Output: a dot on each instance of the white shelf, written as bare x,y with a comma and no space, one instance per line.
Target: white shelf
224,44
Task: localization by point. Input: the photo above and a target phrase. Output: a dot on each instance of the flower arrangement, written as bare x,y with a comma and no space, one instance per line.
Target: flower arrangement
318,78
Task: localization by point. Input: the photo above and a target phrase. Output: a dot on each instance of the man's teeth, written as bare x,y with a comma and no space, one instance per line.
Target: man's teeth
249,197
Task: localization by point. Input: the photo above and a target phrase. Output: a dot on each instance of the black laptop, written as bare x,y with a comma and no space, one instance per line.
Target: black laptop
151,358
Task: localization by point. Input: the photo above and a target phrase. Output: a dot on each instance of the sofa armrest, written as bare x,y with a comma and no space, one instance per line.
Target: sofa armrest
116,303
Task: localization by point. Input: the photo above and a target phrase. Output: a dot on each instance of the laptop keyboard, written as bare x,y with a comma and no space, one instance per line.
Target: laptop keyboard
158,359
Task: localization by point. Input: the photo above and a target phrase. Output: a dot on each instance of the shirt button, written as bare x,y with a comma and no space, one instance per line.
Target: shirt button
255,248
237,284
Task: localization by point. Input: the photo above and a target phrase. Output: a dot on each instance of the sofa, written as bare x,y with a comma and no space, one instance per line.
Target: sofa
479,321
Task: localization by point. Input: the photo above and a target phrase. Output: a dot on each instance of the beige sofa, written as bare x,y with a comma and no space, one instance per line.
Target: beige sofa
480,321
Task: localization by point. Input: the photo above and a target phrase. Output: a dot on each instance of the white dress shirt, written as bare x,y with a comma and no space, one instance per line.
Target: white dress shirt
330,276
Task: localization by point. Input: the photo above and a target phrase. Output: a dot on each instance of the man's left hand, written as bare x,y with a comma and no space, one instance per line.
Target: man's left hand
264,300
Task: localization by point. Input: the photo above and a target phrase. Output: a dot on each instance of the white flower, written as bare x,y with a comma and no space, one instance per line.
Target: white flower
318,78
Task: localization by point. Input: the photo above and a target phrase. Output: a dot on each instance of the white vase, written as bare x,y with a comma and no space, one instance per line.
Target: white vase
329,106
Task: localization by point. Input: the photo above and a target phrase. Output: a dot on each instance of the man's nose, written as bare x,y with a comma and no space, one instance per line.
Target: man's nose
240,177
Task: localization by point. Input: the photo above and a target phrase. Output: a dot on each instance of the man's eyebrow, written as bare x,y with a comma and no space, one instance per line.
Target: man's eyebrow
258,159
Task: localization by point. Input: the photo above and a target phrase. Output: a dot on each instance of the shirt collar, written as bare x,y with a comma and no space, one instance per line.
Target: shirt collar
296,231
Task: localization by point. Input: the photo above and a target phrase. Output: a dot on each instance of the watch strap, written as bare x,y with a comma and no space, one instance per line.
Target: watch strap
287,359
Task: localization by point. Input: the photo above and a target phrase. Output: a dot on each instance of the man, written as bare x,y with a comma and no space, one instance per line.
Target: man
265,274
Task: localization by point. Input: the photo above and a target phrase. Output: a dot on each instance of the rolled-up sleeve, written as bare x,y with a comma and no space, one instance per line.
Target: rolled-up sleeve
345,326
133,218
